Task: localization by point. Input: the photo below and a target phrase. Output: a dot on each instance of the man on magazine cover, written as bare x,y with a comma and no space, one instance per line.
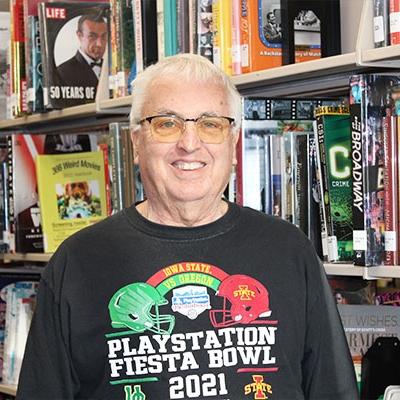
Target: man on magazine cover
272,32
82,72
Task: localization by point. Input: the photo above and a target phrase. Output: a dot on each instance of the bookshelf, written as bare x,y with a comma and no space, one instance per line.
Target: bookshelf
324,77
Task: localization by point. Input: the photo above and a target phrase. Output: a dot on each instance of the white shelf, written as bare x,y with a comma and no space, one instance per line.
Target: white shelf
8,389
34,257
379,272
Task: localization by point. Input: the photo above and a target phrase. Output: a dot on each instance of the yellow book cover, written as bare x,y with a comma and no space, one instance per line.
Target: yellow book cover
222,45
72,194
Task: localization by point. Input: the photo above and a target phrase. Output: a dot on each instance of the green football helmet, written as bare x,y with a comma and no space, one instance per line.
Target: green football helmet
132,307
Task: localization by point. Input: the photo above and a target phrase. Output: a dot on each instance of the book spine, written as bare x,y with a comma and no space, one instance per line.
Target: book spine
391,212
204,30
137,18
222,55
128,56
236,49
104,148
367,160
160,29
34,67
19,87
114,43
183,27
381,23
394,21
245,28
357,157
116,152
149,32
170,28
11,206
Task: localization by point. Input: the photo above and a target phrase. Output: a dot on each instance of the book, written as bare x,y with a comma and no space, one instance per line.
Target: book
363,324
262,117
310,30
72,194
8,280
334,144
128,56
170,28
222,35
149,32
19,298
204,29
18,71
261,43
4,45
381,23
122,168
236,47
369,101
391,189
24,210
33,58
71,64
394,21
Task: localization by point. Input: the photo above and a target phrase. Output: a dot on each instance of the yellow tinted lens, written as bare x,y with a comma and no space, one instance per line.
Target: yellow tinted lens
213,129
167,129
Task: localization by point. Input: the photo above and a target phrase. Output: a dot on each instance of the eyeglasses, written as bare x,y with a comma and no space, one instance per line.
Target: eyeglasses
169,128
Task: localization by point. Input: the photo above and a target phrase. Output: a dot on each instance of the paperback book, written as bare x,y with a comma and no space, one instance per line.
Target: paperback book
73,194
71,67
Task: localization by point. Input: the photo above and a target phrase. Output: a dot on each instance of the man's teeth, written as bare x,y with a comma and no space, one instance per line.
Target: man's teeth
189,166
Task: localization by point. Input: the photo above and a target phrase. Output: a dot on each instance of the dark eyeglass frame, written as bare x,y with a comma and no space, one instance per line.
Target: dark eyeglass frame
230,120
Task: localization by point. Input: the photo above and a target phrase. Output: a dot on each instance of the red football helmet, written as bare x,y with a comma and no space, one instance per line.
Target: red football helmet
248,300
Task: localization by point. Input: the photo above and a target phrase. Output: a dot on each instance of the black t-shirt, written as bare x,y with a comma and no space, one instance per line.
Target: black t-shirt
236,309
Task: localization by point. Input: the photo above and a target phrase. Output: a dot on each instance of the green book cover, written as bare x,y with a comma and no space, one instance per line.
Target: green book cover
333,129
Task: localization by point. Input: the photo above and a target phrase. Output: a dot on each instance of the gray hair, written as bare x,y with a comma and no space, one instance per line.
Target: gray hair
185,67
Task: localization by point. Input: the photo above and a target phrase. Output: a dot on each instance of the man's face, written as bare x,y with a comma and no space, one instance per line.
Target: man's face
187,170
93,38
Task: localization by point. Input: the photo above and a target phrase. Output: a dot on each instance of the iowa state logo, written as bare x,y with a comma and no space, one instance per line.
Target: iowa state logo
258,387
190,300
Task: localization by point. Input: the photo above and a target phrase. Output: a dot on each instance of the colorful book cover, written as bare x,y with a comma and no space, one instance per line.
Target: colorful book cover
72,194
4,44
310,30
261,35
74,38
369,101
334,139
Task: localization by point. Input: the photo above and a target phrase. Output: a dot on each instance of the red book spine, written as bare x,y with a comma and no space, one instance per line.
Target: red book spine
394,21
